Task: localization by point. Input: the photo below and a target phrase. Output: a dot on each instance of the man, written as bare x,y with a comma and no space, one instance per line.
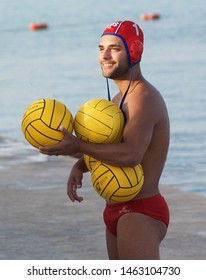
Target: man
134,229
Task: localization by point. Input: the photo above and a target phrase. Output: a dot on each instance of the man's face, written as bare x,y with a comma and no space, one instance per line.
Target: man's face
113,58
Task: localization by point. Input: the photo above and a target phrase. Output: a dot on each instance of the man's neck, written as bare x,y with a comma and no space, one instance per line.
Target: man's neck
135,77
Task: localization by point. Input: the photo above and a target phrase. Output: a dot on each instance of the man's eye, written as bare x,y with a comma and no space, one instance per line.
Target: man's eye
116,49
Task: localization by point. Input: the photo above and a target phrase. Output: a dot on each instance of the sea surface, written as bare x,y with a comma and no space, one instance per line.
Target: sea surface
62,63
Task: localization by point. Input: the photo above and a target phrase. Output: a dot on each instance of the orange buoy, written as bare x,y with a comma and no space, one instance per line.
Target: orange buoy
37,26
151,16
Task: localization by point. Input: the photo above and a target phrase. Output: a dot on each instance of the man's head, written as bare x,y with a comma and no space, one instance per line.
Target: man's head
132,37
113,58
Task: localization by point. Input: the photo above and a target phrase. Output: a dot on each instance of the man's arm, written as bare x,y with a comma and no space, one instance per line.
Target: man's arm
141,116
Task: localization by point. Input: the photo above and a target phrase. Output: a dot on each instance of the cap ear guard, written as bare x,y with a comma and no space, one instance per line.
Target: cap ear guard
135,51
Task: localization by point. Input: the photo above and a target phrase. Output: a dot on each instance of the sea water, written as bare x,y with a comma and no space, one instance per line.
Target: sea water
62,62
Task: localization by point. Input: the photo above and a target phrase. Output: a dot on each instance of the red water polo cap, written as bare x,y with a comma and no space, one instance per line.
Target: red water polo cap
132,37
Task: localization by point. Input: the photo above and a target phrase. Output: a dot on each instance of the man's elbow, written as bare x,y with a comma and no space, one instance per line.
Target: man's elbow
132,161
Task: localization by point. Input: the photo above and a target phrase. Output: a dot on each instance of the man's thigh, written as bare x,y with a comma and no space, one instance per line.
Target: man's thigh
139,236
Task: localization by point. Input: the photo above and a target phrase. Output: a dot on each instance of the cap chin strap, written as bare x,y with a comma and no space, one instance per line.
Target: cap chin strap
125,94
108,91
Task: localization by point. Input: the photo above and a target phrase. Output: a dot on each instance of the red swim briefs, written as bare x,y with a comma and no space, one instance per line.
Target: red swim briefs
155,207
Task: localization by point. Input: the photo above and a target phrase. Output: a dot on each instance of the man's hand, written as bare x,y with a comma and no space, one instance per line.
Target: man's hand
75,181
68,146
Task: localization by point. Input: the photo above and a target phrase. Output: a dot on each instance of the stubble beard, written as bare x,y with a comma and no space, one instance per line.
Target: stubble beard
117,73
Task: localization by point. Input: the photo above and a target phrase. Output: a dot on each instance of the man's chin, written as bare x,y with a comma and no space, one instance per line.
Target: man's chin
107,75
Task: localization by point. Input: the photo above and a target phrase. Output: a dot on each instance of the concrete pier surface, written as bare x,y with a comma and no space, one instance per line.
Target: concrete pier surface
39,222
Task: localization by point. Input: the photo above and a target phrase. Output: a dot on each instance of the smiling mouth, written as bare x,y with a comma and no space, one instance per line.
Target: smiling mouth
107,65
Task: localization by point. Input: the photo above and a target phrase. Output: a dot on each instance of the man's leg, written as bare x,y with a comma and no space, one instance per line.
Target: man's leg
139,237
111,245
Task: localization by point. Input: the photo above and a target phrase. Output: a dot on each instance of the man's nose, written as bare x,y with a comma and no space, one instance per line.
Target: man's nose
106,54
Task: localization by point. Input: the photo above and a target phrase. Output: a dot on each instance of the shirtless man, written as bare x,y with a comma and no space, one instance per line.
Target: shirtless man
134,229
